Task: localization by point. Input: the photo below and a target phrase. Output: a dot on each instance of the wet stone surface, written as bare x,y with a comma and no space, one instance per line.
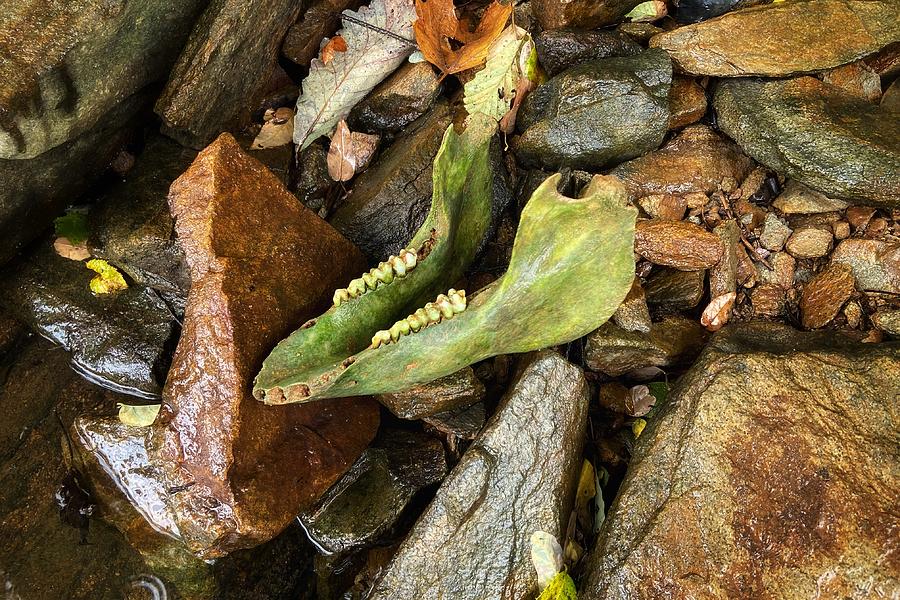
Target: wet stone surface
398,101
809,514
560,49
673,341
458,390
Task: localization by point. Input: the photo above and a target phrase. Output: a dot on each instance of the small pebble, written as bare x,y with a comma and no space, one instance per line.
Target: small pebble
825,294
774,233
809,243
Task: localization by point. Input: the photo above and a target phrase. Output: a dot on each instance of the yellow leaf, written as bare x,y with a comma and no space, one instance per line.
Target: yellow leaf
561,588
637,427
108,278
586,491
138,415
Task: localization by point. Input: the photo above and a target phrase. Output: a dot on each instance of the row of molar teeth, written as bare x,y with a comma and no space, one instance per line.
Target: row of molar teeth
444,307
394,266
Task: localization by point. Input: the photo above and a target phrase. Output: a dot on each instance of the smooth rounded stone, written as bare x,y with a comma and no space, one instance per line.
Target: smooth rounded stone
775,40
687,102
809,242
517,477
399,100
597,113
674,289
36,190
816,134
775,233
797,199
679,244
321,20
369,499
875,263
389,202
747,484
696,160
585,14
313,182
230,55
559,49
694,11
673,341
260,263
633,314
856,78
47,553
890,100
453,391
825,295
887,320
132,228
121,340
65,66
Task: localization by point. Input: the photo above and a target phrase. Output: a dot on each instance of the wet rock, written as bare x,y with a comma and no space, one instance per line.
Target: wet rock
856,78
875,264
774,234
560,49
372,495
464,423
36,190
890,100
694,11
780,39
230,55
809,242
667,207
633,314
723,275
120,340
816,134
453,391
782,271
66,66
768,300
687,102
313,182
674,289
788,486
696,160
398,101
677,244
797,199
671,342
321,20
389,202
133,229
585,14
598,113
825,294
42,555
516,478
888,321
260,263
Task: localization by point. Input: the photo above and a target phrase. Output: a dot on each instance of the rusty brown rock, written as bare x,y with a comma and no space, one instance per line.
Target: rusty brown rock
454,391
677,244
260,263
673,289
697,160
723,275
768,300
583,14
856,78
825,294
672,341
781,39
748,485
809,242
321,20
687,102
875,263
230,55
781,273
633,314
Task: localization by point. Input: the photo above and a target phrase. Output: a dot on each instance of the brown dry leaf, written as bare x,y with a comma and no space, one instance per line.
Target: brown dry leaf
278,130
67,249
350,152
335,44
717,313
523,88
437,24
639,401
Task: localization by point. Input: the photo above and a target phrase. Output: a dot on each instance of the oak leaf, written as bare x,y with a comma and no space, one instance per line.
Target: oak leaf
437,24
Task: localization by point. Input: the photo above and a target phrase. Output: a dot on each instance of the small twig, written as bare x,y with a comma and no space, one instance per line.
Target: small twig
380,30
754,254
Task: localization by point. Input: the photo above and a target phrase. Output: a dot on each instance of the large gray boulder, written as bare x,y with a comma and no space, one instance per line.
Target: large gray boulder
598,113
816,133
518,477
771,473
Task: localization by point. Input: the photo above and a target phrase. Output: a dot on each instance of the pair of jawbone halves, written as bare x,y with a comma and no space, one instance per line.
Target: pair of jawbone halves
572,264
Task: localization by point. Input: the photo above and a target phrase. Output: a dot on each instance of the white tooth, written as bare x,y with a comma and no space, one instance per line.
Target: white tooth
409,258
398,265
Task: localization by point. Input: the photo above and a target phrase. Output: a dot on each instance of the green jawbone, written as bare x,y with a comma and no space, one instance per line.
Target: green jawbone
572,264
